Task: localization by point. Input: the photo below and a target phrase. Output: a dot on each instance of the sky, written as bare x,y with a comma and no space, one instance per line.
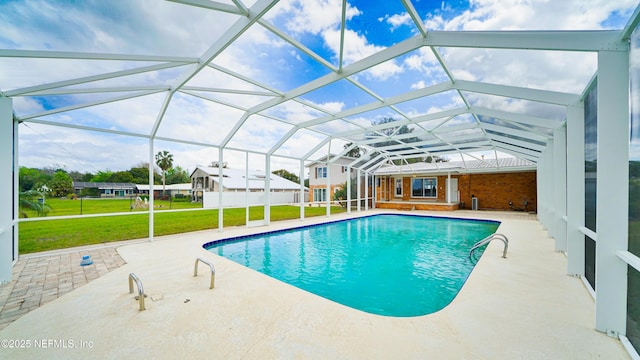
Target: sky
152,27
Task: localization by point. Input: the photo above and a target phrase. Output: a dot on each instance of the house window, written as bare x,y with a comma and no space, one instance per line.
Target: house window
321,172
398,187
424,187
319,195
344,169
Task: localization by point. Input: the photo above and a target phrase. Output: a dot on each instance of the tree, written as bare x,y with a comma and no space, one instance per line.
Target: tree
121,177
78,176
61,184
32,200
177,175
28,178
435,159
32,179
392,130
164,160
140,174
287,175
341,193
102,176
355,152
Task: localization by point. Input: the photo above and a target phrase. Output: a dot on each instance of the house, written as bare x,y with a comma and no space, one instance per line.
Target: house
241,189
104,189
171,190
497,184
336,173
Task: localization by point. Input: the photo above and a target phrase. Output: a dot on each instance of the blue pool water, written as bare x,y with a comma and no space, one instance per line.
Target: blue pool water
394,265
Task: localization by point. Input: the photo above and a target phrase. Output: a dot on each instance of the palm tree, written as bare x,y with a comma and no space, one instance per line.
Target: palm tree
29,200
164,160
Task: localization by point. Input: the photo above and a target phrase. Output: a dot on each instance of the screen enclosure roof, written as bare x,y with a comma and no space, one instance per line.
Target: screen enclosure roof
299,80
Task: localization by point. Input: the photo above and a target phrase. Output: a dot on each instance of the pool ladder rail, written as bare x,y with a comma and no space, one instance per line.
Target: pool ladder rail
213,270
487,240
141,295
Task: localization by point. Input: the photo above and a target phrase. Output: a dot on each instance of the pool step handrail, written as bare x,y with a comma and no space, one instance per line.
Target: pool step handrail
487,240
141,295
213,270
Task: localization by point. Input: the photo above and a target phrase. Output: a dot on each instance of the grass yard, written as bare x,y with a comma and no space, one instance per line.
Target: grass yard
46,235
63,206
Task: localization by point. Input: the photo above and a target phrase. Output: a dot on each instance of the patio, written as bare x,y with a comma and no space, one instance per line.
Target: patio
522,307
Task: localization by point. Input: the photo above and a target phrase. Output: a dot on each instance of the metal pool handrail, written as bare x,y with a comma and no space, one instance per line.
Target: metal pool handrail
487,240
213,270
132,278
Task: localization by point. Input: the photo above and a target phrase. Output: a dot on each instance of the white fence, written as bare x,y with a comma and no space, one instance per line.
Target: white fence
211,200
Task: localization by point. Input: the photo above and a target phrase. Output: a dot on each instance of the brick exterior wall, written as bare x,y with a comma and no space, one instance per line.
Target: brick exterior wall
494,191
417,206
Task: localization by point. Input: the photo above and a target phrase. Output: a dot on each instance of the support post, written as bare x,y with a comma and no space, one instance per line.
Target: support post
220,190
550,189
366,190
301,189
358,190
575,192
15,190
448,187
560,188
8,230
612,197
246,189
328,187
348,189
151,193
267,190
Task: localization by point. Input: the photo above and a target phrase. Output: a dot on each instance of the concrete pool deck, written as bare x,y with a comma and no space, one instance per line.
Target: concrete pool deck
522,307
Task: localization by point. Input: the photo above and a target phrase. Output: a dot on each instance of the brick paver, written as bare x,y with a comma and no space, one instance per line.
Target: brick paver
43,277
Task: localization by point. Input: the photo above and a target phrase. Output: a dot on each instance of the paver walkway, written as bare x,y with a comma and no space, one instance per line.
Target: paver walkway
42,277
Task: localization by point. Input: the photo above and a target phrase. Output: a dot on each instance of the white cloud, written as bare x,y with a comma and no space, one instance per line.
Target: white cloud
537,14
312,16
397,20
418,85
435,22
357,47
44,146
547,70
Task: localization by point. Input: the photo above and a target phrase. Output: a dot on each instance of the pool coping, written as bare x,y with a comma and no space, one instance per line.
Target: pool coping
305,285
269,232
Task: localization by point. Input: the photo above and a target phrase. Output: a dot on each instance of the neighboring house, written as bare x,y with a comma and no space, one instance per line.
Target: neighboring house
104,189
205,184
502,184
171,190
336,172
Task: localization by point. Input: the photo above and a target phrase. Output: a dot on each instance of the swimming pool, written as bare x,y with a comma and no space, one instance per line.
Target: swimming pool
393,265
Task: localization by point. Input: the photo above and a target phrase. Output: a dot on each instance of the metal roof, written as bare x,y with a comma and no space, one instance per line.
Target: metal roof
235,179
102,185
482,165
212,92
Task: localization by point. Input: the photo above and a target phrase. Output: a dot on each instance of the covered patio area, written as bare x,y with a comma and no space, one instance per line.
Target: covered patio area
430,102
504,311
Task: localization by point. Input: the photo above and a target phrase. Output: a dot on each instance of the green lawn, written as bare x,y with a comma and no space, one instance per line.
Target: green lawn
45,235
63,206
